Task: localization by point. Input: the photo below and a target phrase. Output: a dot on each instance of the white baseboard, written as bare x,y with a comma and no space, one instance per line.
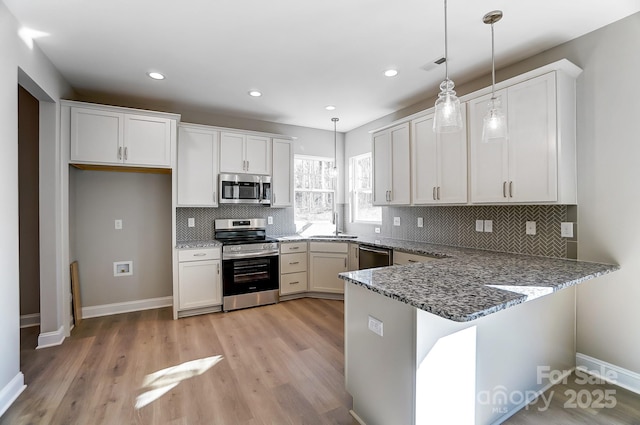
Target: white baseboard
11,391
29,320
609,372
126,307
355,416
51,339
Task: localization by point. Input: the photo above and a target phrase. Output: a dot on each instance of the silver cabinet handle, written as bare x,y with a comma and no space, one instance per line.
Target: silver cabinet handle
200,254
294,247
434,193
214,196
247,165
294,262
218,268
438,193
504,189
294,283
412,261
120,153
511,189
345,263
126,153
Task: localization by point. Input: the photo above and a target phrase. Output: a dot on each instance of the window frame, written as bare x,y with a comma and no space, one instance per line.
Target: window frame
333,191
353,192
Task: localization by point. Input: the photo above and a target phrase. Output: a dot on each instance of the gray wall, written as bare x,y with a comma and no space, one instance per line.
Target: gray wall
143,203
608,172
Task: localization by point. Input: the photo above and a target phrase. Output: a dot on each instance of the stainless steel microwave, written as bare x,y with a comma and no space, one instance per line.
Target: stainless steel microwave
245,189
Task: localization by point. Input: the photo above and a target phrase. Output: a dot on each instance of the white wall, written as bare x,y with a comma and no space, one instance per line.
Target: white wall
15,55
608,171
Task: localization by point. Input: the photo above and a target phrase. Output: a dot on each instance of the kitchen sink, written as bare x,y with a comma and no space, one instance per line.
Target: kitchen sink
339,236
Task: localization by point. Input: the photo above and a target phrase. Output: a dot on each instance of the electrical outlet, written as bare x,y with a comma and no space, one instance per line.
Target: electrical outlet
375,326
377,230
566,229
420,222
531,227
488,226
191,222
269,220
479,225
396,221
118,224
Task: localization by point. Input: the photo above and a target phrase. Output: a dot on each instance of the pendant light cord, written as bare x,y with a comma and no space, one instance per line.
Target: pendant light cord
446,49
493,66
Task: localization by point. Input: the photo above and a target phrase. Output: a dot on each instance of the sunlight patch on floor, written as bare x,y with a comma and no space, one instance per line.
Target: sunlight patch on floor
159,383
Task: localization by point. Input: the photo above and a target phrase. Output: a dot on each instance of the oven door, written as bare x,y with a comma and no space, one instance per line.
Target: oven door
247,275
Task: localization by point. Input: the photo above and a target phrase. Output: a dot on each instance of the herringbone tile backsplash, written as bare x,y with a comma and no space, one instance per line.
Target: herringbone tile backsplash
455,225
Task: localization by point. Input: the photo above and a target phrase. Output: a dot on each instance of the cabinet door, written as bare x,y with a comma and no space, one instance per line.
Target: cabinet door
452,166
258,154
200,284
147,141
282,177
96,136
381,151
489,160
354,261
400,165
293,283
323,272
232,153
424,161
533,164
197,167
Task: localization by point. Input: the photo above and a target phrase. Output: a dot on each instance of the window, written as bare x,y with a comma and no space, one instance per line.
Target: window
314,194
361,183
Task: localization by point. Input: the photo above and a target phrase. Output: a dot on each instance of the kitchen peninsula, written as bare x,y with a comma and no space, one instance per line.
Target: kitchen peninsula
468,338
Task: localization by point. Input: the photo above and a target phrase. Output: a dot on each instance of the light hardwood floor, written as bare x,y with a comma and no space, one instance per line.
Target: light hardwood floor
281,364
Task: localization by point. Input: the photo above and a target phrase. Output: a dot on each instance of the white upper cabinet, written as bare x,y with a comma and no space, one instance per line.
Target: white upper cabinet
245,153
391,166
438,164
197,166
282,178
536,162
106,135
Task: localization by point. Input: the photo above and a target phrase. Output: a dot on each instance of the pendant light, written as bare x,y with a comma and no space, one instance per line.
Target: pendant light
495,122
334,171
448,117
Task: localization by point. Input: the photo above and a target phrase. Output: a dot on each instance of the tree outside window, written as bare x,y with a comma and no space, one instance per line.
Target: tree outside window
361,190
315,193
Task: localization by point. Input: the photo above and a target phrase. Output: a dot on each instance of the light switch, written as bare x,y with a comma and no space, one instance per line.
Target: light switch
191,222
420,222
531,227
396,221
479,225
118,224
566,229
269,220
488,226
375,326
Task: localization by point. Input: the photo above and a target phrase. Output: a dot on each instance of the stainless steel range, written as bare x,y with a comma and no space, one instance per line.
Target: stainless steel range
250,273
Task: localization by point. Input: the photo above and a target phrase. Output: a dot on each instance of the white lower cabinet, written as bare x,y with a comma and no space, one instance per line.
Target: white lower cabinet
199,278
293,268
326,260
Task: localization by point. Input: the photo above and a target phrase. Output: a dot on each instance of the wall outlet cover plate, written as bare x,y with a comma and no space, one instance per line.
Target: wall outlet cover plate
396,221
566,229
488,226
479,225
531,228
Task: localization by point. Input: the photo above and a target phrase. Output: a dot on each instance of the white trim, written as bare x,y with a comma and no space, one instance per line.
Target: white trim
126,307
51,339
355,416
624,378
29,320
562,377
11,391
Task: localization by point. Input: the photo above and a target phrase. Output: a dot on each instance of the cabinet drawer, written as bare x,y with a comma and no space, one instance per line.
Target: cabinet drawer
198,254
403,258
293,282
292,263
292,247
340,247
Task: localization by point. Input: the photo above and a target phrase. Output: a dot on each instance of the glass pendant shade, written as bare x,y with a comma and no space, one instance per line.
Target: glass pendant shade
495,122
448,116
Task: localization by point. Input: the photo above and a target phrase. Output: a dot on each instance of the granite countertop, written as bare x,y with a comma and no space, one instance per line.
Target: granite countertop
198,244
465,284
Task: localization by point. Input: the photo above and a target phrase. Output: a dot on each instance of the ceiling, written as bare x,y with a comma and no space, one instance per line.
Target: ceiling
301,55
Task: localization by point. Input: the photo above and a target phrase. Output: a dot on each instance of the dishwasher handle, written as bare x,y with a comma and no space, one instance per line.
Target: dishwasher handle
377,251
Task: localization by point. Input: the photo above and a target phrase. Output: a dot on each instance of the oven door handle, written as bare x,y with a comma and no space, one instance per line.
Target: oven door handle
237,255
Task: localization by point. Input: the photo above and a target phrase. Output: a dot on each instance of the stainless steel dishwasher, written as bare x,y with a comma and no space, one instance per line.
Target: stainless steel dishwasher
370,257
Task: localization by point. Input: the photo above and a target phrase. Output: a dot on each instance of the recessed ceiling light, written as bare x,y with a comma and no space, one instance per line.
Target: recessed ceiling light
255,93
391,72
330,107
155,75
